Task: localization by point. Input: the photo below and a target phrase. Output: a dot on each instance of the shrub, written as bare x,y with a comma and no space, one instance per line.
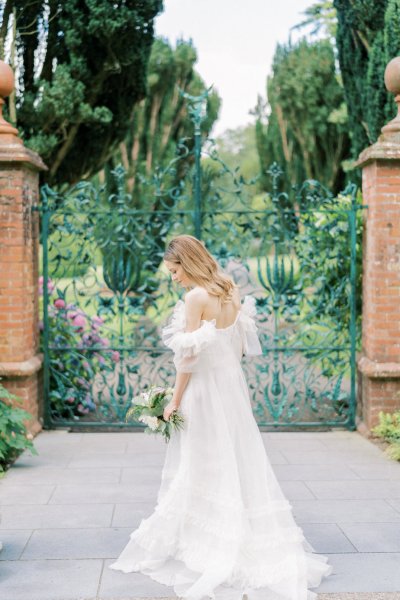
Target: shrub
13,434
389,429
78,352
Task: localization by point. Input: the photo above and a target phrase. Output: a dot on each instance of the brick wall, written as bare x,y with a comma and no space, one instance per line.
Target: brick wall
380,361
20,361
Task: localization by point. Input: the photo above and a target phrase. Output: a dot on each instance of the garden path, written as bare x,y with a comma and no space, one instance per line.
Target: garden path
67,513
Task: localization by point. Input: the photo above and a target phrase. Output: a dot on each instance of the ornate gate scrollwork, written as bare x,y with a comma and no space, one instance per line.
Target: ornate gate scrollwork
106,292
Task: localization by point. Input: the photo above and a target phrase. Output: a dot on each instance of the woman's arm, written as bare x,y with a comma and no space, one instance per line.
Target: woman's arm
194,304
181,382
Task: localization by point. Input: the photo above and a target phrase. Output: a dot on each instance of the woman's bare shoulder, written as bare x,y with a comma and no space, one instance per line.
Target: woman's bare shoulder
197,294
196,300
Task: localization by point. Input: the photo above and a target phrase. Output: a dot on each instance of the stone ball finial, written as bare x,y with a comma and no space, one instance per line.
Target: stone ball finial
391,131
6,87
6,79
392,76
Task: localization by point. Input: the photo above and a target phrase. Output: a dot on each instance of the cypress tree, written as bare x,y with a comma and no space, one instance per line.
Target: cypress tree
305,132
376,97
368,37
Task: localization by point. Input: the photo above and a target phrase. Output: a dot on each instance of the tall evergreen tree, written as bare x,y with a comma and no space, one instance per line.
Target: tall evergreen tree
306,130
81,68
161,132
368,36
162,118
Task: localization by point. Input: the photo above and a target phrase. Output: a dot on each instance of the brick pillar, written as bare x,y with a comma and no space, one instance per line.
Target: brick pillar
379,364
20,361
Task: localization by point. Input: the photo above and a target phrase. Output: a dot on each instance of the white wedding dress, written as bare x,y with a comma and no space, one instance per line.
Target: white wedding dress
222,526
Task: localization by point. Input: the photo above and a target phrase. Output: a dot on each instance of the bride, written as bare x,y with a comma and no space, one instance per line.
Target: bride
222,527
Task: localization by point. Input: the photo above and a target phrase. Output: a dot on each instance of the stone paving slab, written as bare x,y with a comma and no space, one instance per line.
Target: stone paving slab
130,515
315,473
100,493
55,475
349,511
328,458
373,537
14,542
52,515
149,474
50,579
294,445
363,572
81,543
97,461
354,489
296,490
327,538
389,470
115,584
26,494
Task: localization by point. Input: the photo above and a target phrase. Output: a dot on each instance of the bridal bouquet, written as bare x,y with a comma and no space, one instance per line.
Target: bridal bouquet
148,408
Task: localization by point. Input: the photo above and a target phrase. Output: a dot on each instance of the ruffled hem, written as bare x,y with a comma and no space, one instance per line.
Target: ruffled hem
221,551
195,580
226,531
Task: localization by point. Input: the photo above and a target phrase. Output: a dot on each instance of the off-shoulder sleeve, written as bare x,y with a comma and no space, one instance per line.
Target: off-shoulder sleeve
187,346
248,329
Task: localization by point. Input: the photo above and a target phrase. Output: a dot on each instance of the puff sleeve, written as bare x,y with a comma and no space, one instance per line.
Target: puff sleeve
248,330
188,347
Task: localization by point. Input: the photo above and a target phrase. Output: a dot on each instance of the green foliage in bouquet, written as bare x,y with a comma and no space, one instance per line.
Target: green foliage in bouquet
389,429
13,435
148,408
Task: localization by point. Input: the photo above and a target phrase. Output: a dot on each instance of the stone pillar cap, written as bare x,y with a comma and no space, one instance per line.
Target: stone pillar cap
12,148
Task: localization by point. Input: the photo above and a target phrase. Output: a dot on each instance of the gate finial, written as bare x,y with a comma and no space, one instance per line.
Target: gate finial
392,82
6,87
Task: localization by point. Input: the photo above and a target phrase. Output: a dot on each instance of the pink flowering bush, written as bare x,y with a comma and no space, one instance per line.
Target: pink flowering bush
77,352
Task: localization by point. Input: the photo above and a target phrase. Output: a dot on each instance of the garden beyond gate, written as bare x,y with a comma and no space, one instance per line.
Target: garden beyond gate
106,293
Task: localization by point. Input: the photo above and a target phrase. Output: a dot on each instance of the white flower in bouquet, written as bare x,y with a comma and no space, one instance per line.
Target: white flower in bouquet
146,397
151,422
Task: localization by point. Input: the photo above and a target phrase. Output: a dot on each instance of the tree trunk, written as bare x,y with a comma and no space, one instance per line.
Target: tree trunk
4,26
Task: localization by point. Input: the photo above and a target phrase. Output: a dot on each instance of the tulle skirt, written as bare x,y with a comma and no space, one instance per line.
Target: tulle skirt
222,527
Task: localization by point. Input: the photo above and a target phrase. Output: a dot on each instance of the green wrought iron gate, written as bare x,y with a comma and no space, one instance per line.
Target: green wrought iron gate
106,293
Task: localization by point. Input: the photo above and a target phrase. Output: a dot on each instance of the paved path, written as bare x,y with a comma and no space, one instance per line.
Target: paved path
67,513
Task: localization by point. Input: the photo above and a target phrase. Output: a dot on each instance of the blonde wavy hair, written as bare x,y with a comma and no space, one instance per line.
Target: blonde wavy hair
200,266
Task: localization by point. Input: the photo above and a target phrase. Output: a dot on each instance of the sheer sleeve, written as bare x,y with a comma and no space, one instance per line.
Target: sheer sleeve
248,329
187,346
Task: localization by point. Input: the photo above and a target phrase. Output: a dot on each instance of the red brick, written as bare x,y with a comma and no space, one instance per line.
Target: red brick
19,253
381,283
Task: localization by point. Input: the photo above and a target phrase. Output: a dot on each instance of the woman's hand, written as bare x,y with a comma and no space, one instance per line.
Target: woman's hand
169,409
